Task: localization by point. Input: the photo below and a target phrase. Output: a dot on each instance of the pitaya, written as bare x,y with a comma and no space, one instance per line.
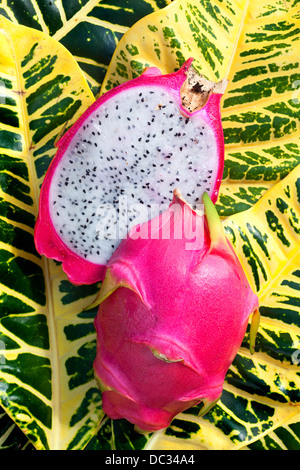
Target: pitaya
138,141
174,308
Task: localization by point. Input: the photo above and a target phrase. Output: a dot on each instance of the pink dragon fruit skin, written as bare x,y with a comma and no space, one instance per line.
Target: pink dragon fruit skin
47,236
172,315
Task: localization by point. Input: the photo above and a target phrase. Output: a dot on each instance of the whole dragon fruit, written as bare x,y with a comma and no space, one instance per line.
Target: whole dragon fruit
138,141
174,308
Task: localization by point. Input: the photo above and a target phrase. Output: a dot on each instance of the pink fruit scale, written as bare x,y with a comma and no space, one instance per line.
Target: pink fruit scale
174,308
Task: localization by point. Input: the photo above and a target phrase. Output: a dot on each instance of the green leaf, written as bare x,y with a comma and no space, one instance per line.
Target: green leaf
11,437
255,45
89,29
47,344
282,438
117,434
262,391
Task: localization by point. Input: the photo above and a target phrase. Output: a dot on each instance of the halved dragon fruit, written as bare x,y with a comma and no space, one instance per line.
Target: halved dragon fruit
174,308
120,162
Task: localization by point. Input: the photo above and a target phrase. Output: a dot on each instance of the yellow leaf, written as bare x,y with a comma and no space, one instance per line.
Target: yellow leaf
43,91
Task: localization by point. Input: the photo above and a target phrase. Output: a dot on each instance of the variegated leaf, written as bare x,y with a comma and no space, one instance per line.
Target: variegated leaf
117,434
261,111
89,29
285,437
47,343
256,46
11,437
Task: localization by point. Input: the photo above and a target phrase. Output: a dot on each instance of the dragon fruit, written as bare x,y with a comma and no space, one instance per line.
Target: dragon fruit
174,308
131,148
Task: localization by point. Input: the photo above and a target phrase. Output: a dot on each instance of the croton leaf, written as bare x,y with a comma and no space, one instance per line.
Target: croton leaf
286,437
255,45
89,29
